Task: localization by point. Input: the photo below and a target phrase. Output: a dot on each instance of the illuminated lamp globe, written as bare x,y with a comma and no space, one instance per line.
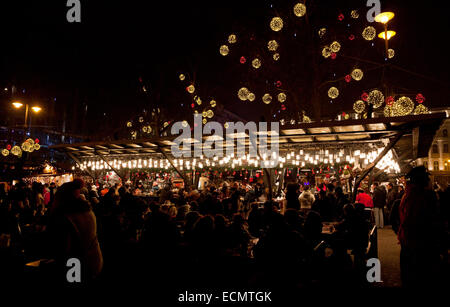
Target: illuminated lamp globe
300,10
276,24
389,35
384,17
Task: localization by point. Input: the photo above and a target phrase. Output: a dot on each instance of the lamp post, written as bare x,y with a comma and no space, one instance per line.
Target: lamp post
35,109
386,35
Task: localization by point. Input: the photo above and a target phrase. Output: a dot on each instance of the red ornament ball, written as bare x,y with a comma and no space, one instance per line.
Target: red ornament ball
242,60
283,107
341,17
279,83
351,37
389,100
364,96
333,55
36,141
8,147
348,78
420,98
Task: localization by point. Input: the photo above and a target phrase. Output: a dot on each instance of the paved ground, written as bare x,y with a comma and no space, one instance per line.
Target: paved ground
389,255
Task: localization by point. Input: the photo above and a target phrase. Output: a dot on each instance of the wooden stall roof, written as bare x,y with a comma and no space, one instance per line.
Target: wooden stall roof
418,133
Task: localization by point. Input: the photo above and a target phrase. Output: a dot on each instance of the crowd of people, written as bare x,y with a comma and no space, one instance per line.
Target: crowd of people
223,235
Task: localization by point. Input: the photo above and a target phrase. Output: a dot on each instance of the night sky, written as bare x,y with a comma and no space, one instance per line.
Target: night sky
96,65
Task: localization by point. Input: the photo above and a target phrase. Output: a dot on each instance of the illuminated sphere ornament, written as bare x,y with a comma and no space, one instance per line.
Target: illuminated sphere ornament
335,46
322,32
267,98
198,100
357,74
276,56
341,17
256,63
376,98
299,10
232,38
351,37
129,124
242,60
333,92
165,124
281,97
326,52
5,152
26,146
226,125
251,97
272,45
243,93
354,14
348,78
213,103
204,121
141,119
204,113
403,106
364,96
420,98
420,109
278,83
36,146
369,33
276,24
391,53
359,106
182,77
190,88
333,55
184,123
388,112
16,150
224,50
209,113
389,100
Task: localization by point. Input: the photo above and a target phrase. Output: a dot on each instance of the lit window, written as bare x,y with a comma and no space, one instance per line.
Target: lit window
445,147
435,148
436,165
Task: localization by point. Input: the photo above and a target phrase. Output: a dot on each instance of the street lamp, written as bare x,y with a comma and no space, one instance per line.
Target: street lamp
35,109
384,19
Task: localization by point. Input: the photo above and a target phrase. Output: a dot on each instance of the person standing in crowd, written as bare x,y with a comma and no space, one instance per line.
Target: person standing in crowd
364,198
419,232
292,201
306,199
379,202
391,197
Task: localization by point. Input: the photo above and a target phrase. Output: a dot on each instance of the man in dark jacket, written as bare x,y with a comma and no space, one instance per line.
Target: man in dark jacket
379,201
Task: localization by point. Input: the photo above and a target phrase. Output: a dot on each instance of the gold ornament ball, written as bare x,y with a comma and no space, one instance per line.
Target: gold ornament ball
391,53
26,146
191,88
326,52
36,146
276,24
129,124
306,119
281,97
204,113
16,150
213,103
359,106
357,74
276,56
209,113
204,121
388,112
333,92
243,93
184,123
322,32
182,77
198,100
251,97
224,50
272,45
403,106
5,152
226,125
267,98
376,98
141,119
420,109
299,10
369,33
335,46
256,63
232,38
354,14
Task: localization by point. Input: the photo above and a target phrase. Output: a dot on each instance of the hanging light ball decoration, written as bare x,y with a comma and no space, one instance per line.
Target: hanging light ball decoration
276,56
251,97
204,121
333,92
354,14
326,52
190,89
243,93
388,112
141,119
364,96
420,98
272,45
198,100
256,63
376,98
5,152
213,103
335,46
357,74
369,33
341,17
129,124
267,98
281,97
348,78
389,100
26,146
276,24
182,77
300,10
16,150
232,38
333,55
242,60
403,106
278,83
420,109
391,53
359,106
351,37
322,32
224,50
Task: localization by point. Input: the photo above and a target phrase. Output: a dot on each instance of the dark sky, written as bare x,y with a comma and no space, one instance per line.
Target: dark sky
98,62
